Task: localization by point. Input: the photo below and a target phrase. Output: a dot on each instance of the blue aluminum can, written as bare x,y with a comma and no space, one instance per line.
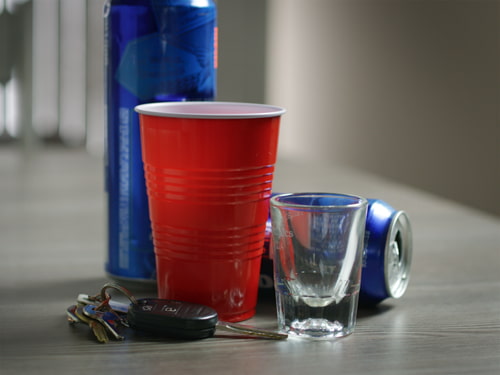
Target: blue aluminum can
387,255
155,50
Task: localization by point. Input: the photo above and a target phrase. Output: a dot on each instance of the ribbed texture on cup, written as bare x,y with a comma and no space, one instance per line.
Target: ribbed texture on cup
239,243
209,214
217,186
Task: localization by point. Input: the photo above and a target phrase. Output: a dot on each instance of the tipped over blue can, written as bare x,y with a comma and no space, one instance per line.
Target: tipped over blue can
155,50
387,255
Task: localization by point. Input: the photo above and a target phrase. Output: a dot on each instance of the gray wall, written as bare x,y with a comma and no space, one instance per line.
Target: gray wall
407,89
242,43
404,89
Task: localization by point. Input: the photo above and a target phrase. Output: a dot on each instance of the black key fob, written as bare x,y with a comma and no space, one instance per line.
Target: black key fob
170,318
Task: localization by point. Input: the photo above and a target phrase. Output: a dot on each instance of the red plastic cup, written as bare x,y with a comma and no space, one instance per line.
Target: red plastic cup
209,168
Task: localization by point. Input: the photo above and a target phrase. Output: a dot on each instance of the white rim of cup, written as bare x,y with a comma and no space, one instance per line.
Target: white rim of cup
357,201
209,110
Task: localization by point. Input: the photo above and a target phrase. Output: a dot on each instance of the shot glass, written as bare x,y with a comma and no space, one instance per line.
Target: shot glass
317,248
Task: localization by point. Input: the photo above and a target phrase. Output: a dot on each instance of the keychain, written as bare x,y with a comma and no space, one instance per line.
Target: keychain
169,318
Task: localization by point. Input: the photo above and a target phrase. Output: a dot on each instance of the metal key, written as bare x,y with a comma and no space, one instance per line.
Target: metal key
117,310
109,319
117,307
96,327
99,331
71,315
186,320
242,329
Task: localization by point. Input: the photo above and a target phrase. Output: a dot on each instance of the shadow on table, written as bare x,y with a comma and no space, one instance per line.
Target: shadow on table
367,312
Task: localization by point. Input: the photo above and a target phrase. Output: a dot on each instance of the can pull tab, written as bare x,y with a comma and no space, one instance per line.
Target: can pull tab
395,262
395,253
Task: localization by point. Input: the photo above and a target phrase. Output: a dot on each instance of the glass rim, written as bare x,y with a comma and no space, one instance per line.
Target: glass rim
357,201
209,110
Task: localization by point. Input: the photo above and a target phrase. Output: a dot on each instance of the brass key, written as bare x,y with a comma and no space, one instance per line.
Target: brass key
97,328
108,319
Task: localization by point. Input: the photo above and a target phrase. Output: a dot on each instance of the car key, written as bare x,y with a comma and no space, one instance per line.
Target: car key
184,320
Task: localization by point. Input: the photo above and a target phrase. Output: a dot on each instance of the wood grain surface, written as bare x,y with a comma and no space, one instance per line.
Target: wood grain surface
52,242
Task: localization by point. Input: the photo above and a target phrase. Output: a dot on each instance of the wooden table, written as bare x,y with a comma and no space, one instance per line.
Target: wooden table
52,241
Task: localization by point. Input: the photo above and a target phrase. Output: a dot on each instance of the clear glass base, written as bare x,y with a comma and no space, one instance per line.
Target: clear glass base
321,329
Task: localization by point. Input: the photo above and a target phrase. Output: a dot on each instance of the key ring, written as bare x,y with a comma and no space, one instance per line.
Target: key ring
106,297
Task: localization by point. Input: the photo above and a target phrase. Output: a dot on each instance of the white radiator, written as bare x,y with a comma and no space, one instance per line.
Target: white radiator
51,72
